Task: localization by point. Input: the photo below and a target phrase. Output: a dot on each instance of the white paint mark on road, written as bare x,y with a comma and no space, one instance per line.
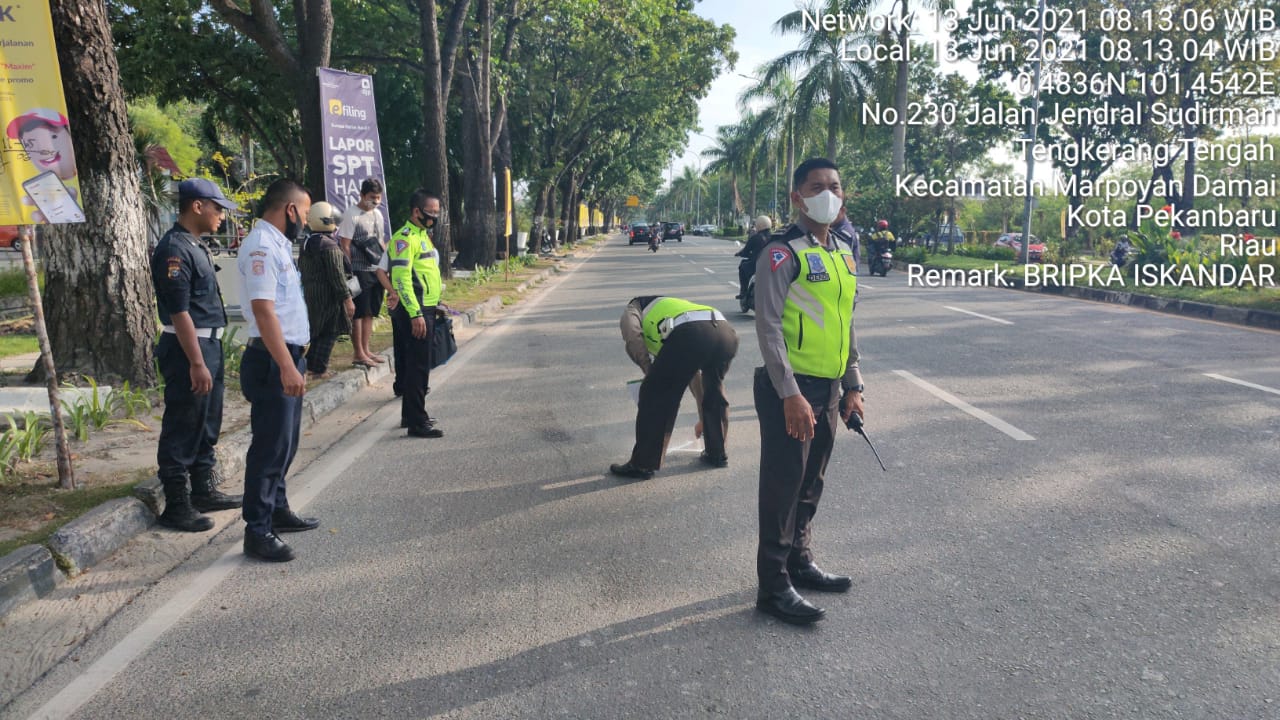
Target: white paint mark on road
691,446
980,315
709,270
1234,381
734,284
570,483
957,403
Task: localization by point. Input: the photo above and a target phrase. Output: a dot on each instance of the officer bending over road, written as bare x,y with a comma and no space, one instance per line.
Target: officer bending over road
271,372
190,357
691,346
806,280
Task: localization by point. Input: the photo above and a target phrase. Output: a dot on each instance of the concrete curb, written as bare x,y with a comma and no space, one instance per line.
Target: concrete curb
1264,319
32,571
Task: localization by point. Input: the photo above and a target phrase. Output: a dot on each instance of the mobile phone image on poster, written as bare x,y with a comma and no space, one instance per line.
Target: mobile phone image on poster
53,199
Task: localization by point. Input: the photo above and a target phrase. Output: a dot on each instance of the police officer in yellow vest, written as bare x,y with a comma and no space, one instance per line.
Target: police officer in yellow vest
806,280
677,344
414,265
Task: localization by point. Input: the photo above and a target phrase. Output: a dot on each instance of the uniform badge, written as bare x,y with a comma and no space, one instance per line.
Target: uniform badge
817,269
175,267
259,267
401,246
851,263
777,256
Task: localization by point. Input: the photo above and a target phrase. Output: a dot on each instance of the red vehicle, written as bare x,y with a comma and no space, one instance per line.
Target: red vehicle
10,237
1035,251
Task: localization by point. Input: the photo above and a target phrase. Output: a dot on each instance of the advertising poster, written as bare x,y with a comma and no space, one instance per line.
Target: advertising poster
38,182
352,151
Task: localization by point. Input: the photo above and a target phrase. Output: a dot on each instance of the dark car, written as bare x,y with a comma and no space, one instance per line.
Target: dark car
640,232
672,231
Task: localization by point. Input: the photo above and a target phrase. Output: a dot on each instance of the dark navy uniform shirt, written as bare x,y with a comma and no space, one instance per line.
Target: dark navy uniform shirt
186,281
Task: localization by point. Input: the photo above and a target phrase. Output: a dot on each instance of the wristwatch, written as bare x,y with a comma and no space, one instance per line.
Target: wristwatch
857,388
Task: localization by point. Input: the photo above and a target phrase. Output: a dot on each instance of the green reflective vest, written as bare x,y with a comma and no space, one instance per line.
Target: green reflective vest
660,310
415,269
819,309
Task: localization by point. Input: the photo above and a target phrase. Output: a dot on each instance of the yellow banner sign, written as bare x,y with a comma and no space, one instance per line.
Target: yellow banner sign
633,201
38,182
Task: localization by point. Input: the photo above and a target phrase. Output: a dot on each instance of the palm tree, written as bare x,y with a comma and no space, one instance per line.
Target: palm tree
729,154
903,40
824,76
778,119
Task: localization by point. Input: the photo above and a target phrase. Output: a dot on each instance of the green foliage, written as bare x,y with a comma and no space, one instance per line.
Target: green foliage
910,255
129,401
232,352
732,231
153,125
983,252
21,440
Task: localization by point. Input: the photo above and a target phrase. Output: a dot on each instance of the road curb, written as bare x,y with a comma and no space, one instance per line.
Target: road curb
1263,319
32,571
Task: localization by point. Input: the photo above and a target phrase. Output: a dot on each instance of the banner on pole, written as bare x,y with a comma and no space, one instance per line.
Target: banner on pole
38,181
352,150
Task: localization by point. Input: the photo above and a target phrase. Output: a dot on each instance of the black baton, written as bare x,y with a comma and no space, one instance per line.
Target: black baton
854,423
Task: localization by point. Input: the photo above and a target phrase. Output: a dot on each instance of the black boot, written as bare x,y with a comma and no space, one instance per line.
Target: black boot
205,496
178,513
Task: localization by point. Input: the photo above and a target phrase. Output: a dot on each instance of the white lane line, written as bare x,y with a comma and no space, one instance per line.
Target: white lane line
957,403
1232,380
80,690
570,483
864,286
984,317
735,284
709,270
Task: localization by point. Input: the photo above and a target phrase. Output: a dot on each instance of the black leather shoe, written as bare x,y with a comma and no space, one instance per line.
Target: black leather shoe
719,461
788,606
267,547
812,577
215,500
426,431
631,471
289,521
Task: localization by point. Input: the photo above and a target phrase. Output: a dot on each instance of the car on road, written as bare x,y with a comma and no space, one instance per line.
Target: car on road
704,230
11,237
639,233
672,231
1013,241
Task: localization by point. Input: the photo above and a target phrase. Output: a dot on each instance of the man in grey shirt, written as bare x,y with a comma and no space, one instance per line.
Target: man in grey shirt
360,232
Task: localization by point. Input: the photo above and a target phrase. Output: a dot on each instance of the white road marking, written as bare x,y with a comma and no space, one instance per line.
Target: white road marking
957,403
569,483
735,284
69,699
691,446
1234,381
984,317
864,286
709,270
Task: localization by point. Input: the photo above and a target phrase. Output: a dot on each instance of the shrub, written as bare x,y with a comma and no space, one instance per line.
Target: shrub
910,255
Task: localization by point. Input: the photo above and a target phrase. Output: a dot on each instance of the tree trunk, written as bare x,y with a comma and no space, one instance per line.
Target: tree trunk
566,196
477,157
97,275
900,102
534,243
754,186
502,157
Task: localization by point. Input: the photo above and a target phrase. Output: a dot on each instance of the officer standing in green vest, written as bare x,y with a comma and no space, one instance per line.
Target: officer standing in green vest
677,344
414,265
806,281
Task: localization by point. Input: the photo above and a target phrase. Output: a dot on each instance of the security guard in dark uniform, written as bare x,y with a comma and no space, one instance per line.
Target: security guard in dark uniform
190,356
414,265
806,284
690,345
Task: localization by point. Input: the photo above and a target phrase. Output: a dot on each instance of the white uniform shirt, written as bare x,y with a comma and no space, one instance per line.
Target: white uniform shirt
267,272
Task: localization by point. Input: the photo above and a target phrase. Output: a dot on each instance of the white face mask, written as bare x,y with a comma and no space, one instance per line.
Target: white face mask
823,207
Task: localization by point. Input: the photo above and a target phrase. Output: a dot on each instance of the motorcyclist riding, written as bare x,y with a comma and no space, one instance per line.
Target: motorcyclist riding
751,250
881,238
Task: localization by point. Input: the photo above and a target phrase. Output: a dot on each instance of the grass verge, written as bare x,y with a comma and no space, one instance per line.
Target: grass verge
18,345
52,507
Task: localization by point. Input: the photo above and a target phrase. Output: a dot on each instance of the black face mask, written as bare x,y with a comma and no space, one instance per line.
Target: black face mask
429,221
292,228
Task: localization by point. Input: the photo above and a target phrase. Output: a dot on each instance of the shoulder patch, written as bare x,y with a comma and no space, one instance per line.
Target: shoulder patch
777,257
175,267
259,267
402,246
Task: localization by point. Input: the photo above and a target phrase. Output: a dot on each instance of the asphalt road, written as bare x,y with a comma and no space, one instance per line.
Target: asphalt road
1078,521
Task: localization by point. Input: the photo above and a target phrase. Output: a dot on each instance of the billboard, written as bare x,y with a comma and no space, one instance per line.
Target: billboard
349,127
38,180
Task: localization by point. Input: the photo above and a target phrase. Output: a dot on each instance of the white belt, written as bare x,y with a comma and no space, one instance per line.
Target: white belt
666,326
213,333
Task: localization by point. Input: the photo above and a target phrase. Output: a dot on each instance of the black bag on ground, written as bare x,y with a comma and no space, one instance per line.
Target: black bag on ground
443,344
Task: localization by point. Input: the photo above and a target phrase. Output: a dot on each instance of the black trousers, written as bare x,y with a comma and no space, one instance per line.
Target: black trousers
706,345
276,420
413,365
191,425
791,477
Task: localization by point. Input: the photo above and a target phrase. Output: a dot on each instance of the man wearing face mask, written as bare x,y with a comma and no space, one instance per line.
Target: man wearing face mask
413,270
806,280
271,371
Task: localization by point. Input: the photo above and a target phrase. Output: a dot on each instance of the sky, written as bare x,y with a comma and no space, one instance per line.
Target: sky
756,44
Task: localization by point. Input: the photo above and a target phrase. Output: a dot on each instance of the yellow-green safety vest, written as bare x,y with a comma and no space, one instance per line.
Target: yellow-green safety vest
819,309
660,310
415,269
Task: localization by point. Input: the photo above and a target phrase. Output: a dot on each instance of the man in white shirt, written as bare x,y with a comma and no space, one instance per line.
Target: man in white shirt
273,367
361,234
